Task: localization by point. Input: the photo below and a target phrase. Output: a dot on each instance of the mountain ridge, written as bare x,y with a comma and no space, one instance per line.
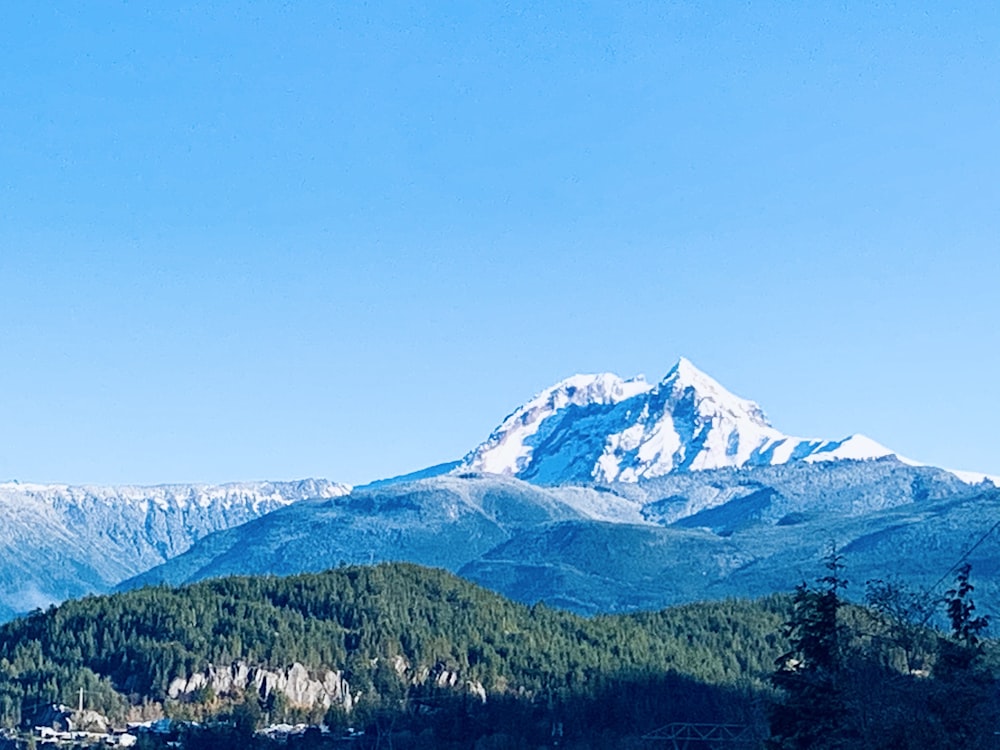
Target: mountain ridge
68,540
606,428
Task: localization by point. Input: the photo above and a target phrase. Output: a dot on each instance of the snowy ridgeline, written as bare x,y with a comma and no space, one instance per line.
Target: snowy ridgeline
604,428
60,541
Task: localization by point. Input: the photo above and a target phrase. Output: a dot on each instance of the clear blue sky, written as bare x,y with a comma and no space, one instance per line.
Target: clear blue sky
246,241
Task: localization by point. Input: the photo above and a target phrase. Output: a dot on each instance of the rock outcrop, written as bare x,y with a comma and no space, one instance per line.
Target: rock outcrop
302,688
295,683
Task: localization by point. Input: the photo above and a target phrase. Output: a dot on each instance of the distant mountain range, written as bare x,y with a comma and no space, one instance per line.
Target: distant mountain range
599,494
60,541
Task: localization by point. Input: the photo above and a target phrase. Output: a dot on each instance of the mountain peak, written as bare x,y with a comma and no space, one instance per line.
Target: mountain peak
711,394
684,367
686,373
605,428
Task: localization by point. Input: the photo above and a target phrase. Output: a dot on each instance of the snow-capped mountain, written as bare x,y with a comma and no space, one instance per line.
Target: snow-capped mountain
603,428
679,472
59,541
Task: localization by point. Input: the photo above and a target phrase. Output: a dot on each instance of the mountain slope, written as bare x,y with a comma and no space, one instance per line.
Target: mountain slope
626,546
60,541
443,522
595,567
603,428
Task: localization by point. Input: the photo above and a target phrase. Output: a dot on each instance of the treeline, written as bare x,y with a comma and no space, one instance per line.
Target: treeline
640,669
878,677
802,671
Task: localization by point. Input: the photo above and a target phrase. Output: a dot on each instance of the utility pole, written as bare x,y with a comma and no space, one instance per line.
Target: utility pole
81,701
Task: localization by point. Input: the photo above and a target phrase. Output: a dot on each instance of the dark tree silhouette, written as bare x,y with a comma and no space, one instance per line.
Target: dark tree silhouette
812,710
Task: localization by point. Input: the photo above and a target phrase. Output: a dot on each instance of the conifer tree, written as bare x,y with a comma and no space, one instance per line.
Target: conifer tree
965,628
811,713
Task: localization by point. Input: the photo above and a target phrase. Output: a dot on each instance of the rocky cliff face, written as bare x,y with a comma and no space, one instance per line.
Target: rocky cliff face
327,688
305,688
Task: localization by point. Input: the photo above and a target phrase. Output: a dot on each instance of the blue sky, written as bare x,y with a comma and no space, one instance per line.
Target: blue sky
246,241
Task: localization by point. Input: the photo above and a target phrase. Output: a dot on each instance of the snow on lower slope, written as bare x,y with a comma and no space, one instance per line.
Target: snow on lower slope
253,495
442,522
604,428
976,477
58,541
625,546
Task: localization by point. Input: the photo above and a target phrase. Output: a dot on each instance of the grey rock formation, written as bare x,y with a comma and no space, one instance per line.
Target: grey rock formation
305,688
295,683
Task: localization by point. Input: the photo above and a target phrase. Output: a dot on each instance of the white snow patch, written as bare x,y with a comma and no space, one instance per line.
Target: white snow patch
974,477
856,447
506,451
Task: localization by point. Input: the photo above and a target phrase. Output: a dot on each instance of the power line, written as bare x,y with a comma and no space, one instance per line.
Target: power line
954,567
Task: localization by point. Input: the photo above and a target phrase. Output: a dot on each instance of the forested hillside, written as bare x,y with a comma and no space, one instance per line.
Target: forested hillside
389,630
435,661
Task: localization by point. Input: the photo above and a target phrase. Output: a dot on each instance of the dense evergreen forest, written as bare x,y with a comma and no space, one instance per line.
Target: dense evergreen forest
434,661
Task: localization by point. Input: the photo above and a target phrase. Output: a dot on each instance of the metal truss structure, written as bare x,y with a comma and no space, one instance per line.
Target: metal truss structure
682,735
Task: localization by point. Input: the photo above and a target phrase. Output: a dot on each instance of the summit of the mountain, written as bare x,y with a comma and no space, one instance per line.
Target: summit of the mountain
606,428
